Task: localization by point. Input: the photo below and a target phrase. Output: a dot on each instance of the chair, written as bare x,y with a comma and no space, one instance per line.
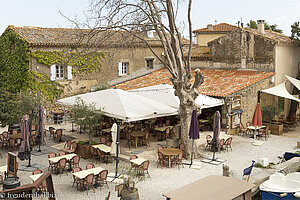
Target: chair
144,168
177,160
108,144
90,166
161,159
100,155
222,143
243,130
159,148
74,162
67,146
167,133
37,171
145,139
5,134
181,146
102,178
62,153
88,181
61,166
58,135
51,132
102,140
172,132
133,166
93,152
228,144
4,141
208,142
264,132
12,144
52,165
75,179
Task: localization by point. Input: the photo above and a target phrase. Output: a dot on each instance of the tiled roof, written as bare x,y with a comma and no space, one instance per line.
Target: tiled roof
218,83
271,35
38,36
222,27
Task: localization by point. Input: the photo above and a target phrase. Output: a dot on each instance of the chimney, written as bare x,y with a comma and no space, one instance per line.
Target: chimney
239,23
209,27
261,26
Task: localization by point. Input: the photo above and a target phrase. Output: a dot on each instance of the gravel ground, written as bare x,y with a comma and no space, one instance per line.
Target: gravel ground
165,180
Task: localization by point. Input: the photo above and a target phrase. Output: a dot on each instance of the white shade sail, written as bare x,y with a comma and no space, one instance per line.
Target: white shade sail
280,90
123,105
164,93
294,81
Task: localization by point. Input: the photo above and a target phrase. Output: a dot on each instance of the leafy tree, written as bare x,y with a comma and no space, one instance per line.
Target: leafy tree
253,24
9,108
86,116
296,31
136,18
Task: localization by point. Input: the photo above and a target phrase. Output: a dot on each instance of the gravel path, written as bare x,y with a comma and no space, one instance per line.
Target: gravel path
165,180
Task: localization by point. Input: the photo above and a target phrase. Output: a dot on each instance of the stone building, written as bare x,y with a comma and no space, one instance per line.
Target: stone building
212,32
120,56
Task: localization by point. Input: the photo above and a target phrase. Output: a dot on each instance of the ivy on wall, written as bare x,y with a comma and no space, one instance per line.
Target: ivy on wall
80,61
15,74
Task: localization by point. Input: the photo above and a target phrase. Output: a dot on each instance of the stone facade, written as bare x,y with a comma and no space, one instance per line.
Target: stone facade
135,56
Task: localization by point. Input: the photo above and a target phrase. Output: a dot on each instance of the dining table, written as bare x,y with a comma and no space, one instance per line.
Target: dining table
83,173
67,156
170,152
255,129
137,135
103,147
138,161
19,135
162,130
35,177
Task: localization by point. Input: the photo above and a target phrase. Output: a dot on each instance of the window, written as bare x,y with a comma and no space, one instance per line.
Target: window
280,104
149,63
123,68
59,71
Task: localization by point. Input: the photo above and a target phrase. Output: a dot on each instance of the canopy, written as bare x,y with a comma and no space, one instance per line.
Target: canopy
294,81
164,93
123,105
280,90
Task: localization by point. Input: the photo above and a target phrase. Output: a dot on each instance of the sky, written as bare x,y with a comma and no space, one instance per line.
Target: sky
46,13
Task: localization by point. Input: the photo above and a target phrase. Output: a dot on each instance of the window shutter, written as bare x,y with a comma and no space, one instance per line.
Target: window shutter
52,73
70,73
120,69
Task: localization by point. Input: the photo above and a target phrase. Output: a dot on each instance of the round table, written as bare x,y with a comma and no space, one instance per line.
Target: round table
170,152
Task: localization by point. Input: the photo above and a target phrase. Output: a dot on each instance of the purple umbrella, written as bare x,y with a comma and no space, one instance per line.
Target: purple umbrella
194,132
39,137
216,130
24,149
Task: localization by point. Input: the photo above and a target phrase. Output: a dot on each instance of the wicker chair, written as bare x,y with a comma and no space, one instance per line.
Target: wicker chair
61,166
67,146
208,142
144,168
51,132
264,132
102,140
52,165
102,178
62,153
243,130
161,160
93,152
90,166
228,144
75,179
181,146
88,181
12,144
133,166
75,161
177,160
58,135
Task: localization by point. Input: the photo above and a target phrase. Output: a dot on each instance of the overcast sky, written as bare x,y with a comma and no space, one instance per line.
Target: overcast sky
45,13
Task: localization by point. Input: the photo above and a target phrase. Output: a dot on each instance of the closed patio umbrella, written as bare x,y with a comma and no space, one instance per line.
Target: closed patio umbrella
257,118
39,136
24,149
194,132
216,131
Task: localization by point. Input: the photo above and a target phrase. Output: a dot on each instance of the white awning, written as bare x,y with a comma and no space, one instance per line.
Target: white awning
294,81
123,105
280,90
164,93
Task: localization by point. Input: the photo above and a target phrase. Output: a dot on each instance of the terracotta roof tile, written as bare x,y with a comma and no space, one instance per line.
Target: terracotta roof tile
222,27
271,35
218,83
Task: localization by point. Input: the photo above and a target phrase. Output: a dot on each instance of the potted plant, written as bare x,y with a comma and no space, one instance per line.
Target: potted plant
268,114
127,189
86,116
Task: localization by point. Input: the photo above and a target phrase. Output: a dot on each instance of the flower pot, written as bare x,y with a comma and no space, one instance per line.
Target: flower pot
127,195
83,151
276,129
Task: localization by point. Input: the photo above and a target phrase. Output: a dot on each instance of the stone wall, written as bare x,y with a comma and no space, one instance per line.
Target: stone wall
82,83
243,49
249,100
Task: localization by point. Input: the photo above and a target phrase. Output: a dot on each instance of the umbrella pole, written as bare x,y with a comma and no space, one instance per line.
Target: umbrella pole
117,149
30,126
192,153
